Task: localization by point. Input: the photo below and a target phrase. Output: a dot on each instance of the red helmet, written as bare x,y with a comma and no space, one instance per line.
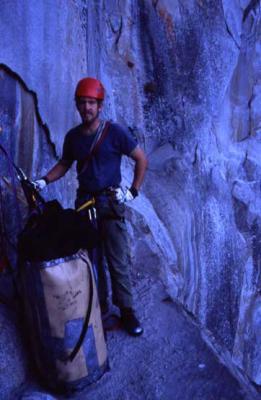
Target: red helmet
90,87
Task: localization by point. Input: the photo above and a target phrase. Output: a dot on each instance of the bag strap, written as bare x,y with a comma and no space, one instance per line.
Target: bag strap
87,317
12,167
99,139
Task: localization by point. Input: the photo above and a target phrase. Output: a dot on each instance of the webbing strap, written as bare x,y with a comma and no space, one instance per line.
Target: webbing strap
11,167
98,135
99,139
87,317
4,234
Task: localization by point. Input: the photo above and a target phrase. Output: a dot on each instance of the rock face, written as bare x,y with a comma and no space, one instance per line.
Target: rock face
13,362
184,76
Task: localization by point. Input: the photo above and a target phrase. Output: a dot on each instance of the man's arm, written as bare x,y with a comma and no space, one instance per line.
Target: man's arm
139,171
141,163
56,172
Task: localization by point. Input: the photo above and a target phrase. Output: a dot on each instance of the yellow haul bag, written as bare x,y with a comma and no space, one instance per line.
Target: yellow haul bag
64,318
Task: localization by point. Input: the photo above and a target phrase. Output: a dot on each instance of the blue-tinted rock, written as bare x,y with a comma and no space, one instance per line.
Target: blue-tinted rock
13,364
184,77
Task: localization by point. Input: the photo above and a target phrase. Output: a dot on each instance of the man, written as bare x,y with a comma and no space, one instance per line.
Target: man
99,176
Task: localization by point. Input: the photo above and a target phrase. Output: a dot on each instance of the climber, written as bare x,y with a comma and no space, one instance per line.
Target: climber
97,147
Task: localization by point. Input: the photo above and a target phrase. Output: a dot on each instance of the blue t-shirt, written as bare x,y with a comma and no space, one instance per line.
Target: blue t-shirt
103,169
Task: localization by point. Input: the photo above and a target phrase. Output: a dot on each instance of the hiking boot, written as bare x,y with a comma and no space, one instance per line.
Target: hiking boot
130,322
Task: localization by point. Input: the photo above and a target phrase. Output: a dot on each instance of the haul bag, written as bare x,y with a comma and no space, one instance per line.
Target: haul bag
64,321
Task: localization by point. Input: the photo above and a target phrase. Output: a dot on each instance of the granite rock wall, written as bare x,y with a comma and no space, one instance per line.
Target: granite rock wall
184,77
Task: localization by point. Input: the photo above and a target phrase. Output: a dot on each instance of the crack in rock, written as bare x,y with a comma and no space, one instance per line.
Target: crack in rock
18,78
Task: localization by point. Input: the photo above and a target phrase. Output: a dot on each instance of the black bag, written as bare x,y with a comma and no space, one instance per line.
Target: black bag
56,233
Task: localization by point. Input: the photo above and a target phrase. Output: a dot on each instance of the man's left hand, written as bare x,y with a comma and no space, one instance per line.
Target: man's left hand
131,193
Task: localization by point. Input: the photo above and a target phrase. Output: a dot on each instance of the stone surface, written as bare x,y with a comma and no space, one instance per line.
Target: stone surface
27,139
169,361
158,363
184,76
45,44
36,395
13,362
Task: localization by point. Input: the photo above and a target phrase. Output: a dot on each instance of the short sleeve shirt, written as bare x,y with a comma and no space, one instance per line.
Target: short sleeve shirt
103,169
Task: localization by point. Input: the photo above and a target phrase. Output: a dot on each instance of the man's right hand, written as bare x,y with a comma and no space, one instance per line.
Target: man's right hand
39,184
123,196
117,194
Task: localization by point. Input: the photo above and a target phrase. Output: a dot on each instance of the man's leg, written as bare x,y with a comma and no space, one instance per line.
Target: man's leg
117,254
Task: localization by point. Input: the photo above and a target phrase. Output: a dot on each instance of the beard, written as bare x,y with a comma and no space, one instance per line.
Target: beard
89,118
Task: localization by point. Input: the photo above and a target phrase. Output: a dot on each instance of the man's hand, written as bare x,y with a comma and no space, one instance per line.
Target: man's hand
39,184
122,197
118,195
131,193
